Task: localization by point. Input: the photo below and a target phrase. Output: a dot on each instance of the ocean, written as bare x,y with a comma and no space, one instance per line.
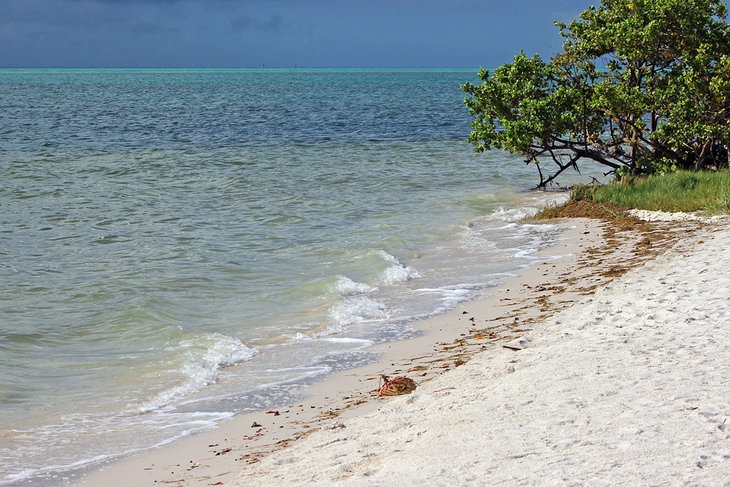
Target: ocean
178,246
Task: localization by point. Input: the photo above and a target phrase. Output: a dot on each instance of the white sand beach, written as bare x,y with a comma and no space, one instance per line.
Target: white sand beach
629,387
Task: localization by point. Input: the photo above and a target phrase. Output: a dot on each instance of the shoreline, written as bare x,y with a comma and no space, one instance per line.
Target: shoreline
589,258
629,387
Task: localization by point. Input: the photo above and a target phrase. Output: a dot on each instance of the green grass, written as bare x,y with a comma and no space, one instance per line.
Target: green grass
705,192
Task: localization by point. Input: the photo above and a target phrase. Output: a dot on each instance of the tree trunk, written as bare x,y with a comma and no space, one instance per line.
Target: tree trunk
703,154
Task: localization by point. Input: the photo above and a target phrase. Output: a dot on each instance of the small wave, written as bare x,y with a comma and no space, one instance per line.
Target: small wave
537,236
355,309
396,273
476,239
347,287
539,227
30,473
202,366
526,254
450,296
81,424
513,214
359,341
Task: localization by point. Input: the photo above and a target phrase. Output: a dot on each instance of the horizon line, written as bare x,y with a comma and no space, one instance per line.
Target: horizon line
240,67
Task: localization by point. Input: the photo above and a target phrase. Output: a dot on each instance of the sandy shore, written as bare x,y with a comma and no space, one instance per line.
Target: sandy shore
629,385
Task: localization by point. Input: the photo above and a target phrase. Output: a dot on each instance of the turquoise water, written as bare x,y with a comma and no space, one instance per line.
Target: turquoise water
179,246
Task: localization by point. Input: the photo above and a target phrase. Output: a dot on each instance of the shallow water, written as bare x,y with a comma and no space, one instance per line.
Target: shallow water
178,246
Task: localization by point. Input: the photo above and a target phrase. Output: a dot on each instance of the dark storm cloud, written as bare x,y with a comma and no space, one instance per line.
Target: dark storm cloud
135,16
148,2
47,12
277,32
86,14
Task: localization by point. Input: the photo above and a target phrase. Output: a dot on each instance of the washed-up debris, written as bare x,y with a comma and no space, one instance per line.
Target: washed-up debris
396,386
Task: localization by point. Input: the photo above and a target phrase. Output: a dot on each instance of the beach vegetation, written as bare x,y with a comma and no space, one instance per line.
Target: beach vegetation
687,191
641,87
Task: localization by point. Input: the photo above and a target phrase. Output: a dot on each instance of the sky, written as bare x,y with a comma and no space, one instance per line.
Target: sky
278,33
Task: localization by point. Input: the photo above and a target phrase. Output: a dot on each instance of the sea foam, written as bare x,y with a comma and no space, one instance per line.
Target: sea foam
397,272
207,355
513,214
355,309
347,287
